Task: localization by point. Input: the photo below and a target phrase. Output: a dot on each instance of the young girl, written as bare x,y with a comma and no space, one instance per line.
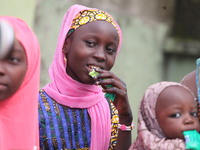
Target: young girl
19,84
73,110
167,109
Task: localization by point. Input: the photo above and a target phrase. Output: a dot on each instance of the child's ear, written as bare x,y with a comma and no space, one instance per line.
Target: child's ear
66,45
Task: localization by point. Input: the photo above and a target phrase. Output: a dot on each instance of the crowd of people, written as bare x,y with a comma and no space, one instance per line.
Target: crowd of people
79,111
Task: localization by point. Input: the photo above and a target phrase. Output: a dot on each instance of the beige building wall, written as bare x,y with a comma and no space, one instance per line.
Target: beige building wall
24,9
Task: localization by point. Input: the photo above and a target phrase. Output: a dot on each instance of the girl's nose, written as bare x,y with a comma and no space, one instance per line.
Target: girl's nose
99,54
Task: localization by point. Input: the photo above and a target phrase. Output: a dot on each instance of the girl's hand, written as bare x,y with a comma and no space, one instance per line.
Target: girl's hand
118,87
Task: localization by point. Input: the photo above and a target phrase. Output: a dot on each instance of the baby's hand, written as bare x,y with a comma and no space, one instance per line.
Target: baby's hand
192,139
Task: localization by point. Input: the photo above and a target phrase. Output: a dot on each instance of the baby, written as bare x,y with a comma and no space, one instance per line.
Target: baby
166,111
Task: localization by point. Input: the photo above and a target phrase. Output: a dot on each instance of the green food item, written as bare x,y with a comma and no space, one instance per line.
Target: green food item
110,96
192,139
93,73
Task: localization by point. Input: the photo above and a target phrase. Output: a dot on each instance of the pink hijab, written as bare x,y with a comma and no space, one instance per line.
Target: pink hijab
150,135
71,93
19,113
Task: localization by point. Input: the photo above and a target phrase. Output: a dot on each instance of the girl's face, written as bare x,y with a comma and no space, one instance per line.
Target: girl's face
176,112
12,71
91,45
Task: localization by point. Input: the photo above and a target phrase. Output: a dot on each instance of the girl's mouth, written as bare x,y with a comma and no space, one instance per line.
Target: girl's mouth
93,67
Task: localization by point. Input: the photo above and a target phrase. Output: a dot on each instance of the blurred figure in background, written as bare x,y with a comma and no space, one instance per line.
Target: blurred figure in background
19,85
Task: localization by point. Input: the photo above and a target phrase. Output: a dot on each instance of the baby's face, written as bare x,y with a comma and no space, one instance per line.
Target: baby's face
176,111
12,71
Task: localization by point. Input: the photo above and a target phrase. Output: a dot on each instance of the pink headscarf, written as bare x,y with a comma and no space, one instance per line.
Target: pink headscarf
71,93
19,113
150,135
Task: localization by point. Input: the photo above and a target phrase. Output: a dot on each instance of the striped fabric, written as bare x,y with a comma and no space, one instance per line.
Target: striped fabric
65,128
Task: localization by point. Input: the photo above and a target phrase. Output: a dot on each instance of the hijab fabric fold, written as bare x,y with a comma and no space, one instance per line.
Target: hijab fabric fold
71,93
19,113
150,135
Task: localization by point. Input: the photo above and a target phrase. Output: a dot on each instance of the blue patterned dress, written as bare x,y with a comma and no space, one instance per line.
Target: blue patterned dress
64,128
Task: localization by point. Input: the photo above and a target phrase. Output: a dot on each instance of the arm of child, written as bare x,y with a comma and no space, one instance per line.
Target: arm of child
121,102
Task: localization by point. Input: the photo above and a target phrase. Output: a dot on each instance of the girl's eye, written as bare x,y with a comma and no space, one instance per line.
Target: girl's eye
90,43
111,50
13,59
194,114
176,115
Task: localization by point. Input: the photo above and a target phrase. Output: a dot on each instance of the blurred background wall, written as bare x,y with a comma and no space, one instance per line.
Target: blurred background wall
161,39
24,9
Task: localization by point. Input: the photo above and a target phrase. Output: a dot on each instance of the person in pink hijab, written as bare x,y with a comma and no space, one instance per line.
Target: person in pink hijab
74,111
167,109
192,81
189,80
19,84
